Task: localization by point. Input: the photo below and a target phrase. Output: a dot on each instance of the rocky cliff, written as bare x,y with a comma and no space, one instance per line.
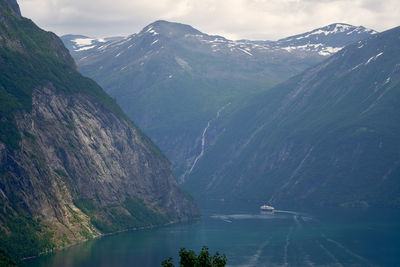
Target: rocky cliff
72,166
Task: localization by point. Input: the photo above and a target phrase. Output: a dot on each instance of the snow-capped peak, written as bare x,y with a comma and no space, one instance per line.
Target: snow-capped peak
167,28
332,29
326,40
149,29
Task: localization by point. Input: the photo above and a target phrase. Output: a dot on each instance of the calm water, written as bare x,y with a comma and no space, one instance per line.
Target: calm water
249,238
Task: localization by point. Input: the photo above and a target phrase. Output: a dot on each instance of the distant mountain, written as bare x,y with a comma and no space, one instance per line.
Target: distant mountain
329,136
72,165
173,80
326,40
78,43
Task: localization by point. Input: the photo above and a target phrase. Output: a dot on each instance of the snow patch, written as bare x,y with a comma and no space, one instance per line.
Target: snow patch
358,29
151,30
341,28
327,51
85,48
373,58
323,51
154,42
369,61
83,41
245,51
82,44
103,47
338,28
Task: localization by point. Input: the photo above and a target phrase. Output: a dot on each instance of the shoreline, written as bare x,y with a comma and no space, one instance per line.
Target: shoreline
109,234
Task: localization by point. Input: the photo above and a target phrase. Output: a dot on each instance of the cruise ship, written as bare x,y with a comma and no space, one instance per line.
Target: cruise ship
267,208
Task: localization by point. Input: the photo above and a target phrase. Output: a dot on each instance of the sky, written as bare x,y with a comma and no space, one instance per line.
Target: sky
233,19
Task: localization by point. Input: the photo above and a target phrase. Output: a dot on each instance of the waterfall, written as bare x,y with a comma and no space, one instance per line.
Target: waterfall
203,144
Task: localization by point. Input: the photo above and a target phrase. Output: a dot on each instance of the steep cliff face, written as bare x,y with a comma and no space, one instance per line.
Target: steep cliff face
71,165
73,149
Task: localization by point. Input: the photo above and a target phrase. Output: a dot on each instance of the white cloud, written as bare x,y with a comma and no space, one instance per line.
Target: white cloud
235,19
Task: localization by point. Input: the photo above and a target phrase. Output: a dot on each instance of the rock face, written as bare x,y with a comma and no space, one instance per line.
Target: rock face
72,166
73,148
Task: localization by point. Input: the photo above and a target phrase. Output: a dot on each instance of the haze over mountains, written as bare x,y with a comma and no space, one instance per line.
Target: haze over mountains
174,80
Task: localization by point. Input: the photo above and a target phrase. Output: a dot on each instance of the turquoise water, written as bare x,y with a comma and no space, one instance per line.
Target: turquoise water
250,238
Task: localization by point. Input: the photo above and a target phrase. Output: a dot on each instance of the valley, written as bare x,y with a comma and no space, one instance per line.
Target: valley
172,137
171,79
294,129
316,139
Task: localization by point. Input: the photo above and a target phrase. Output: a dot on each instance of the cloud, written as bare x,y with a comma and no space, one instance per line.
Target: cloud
235,19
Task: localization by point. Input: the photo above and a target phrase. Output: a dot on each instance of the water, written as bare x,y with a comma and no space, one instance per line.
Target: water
249,238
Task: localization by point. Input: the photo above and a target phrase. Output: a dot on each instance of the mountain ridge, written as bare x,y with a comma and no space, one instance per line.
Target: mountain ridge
172,86
326,137
335,30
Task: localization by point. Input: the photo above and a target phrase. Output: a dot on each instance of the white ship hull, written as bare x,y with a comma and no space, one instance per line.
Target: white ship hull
267,208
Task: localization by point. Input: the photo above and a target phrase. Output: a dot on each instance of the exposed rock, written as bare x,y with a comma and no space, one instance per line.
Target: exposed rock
72,166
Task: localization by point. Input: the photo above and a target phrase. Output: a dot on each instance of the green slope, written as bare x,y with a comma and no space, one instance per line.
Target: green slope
326,137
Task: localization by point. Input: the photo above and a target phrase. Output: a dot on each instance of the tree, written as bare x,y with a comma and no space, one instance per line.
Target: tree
168,263
188,258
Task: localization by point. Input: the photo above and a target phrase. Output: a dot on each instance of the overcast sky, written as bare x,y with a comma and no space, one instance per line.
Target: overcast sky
234,19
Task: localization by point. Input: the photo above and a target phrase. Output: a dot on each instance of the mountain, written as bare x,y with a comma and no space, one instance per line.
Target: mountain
326,40
78,43
174,80
326,137
72,165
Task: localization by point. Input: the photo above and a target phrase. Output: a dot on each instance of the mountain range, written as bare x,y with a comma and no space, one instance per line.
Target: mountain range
302,121
73,166
326,137
174,80
305,121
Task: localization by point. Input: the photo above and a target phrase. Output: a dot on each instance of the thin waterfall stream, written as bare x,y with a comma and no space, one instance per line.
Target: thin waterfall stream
203,144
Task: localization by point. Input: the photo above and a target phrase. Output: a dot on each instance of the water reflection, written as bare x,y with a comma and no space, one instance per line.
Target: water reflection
333,237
